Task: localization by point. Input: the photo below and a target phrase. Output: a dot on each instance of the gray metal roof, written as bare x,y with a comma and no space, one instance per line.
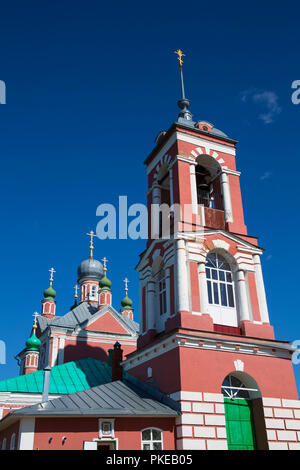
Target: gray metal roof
81,314
129,397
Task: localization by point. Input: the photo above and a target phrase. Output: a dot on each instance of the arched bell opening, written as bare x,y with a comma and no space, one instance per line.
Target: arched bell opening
208,183
245,422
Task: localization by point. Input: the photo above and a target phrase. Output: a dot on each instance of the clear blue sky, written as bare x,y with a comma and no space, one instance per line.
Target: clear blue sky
89,86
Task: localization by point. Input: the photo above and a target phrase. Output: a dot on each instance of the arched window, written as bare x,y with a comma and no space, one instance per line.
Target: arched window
152,439
219,281
12,442
220,290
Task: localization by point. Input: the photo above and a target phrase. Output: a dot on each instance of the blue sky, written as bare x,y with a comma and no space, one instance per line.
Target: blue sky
89,86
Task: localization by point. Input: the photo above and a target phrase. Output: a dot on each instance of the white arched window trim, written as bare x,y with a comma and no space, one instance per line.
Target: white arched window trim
12,442
155,442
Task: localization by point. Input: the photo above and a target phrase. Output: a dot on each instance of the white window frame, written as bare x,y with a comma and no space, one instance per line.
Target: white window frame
93,292
104,435
151,441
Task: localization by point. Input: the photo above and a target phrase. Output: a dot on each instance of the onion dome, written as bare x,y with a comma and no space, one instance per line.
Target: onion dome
33,343
105,283
50,293
126,302
90,270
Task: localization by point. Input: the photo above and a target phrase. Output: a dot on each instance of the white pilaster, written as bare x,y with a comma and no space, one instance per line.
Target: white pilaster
168,293
156,201
193,188
26,434
261,293
226,197
61,350
182,290
203,288
171,187
242,295
151,307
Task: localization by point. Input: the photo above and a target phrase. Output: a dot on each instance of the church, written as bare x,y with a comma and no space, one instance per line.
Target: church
202,370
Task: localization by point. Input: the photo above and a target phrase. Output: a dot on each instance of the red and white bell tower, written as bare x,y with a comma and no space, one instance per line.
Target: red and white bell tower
205,329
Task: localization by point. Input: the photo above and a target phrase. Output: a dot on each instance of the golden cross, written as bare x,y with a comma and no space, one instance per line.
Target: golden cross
180,55
76,290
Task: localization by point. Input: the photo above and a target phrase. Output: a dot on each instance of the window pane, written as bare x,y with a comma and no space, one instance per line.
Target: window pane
223,294
221,275
146,447
214,274
230,295
228,277
146,435
156,435
216,293
208,273
157,446
209,292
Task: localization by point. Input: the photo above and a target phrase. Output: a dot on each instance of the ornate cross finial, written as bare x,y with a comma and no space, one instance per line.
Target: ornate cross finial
76,290
105,260
52,271
126,281
35,315
180,55
92,235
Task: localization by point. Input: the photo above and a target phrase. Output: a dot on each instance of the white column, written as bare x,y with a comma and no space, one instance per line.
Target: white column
193,188
203,288
168,292
226,197
242,295
182,290
26,434
171,187
151,305
156,199
261,293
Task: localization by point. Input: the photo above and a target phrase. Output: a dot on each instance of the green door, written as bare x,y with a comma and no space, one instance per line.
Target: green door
239,424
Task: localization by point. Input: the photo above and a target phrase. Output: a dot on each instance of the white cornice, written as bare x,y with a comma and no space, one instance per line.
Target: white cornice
210,342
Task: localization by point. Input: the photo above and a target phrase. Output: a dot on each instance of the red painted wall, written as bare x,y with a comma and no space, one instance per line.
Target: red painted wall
77,430
7,433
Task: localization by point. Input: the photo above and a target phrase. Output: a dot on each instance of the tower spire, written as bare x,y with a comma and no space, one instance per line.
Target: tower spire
183,103
126,303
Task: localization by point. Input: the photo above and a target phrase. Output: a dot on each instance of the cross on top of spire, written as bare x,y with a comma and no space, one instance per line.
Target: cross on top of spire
76,290
105,260
183,103
35,315
92,235
180,55
126,281
52,271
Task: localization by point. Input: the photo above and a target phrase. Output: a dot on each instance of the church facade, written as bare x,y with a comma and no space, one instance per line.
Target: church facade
204,370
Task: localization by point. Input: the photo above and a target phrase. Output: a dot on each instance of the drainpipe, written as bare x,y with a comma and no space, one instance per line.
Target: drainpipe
45,395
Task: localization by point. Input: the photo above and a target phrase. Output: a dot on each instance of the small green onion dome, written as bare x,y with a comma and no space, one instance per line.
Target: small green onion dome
105,283
126,302
33,343
49,294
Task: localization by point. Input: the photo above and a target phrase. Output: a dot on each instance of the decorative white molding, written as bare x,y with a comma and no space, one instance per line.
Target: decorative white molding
221,244
239,365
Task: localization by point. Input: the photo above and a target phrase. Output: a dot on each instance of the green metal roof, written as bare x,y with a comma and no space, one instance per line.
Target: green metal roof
70,377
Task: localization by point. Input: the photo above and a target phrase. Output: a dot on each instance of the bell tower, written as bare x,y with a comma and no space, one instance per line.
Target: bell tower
205,329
